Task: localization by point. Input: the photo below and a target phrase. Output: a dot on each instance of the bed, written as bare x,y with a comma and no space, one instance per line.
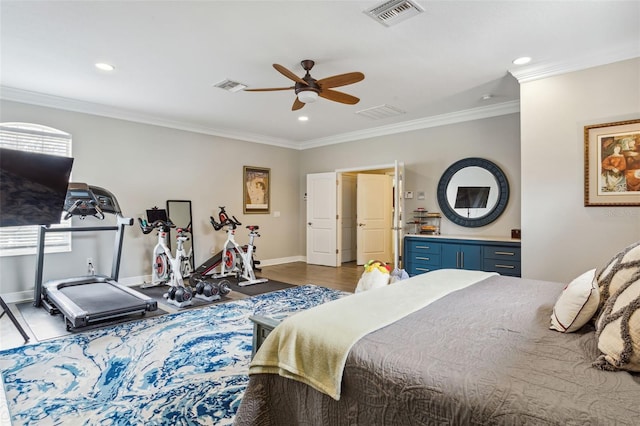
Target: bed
483,354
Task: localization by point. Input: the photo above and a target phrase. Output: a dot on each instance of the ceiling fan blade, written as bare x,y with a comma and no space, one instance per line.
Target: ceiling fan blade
282,70
297,104
340,80
334,95
269,89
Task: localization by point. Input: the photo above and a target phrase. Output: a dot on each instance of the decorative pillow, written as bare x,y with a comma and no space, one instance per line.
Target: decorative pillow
618,272
577,304
618,328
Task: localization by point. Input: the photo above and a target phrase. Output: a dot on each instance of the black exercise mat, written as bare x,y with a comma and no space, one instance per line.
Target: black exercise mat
157,292
255,289
45,326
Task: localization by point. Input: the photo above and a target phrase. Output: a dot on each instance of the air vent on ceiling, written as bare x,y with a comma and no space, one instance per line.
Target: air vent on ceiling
391,12
381,111
230,86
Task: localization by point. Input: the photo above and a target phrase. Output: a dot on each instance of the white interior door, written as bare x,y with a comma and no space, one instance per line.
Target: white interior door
347,215
322,219
374,218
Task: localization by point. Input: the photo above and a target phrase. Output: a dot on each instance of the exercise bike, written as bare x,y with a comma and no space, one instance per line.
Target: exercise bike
161,267
233,259
166,268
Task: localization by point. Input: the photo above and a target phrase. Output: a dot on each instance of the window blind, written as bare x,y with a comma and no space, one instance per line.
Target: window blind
19,240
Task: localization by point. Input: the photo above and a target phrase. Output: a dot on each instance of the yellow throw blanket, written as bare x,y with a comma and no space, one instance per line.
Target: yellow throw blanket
312,346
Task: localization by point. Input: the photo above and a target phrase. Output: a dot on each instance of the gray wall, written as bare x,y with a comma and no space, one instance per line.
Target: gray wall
144,165
561,237
426,154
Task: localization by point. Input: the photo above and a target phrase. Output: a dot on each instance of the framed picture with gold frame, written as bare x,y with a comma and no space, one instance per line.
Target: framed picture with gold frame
612,164
256,189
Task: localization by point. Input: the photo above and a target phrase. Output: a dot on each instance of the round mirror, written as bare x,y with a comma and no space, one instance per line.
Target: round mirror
473,192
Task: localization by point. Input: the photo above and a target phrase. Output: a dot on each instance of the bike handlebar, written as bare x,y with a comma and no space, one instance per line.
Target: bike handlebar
157,224
224,220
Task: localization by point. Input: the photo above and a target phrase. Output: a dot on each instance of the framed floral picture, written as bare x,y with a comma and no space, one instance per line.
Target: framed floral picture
256,189
612,164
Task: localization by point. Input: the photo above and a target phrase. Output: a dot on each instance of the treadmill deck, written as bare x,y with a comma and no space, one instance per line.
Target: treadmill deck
86,300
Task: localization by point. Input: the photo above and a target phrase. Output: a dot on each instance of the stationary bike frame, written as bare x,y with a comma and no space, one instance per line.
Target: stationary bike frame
233,259
169,269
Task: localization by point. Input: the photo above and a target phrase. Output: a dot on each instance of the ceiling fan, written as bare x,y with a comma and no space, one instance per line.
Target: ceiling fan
308,88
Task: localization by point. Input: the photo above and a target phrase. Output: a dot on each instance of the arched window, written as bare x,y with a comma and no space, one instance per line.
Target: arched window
19,240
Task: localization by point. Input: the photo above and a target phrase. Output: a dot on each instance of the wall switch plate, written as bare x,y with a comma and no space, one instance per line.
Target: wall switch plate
420,195
408,195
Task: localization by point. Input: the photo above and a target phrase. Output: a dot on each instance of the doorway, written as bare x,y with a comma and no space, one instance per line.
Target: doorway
337,232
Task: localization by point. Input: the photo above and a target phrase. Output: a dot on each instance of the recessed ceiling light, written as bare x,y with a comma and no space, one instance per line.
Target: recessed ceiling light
105,67
521,61
303,118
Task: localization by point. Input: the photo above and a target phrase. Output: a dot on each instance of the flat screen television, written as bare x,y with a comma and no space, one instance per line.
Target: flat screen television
33,187
472,197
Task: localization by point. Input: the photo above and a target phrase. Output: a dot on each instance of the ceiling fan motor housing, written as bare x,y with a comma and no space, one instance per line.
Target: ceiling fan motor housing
307,93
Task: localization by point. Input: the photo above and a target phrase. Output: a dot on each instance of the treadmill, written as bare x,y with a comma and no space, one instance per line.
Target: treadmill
89,299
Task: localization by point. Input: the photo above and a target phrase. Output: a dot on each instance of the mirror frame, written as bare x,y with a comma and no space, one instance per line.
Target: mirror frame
494,213
172,232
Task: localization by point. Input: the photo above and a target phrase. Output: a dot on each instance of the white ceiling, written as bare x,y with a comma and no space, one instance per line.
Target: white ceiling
168,55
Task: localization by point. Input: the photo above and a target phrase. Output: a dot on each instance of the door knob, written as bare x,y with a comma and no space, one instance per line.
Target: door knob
309,223
361,224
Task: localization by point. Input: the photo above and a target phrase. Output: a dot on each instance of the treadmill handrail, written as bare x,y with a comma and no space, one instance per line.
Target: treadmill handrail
117,254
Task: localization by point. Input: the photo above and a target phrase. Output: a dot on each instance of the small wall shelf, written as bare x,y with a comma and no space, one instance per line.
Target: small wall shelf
425,222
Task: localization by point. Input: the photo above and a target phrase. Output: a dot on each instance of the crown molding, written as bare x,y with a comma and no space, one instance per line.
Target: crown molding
422,123
540,71
34,98
67,104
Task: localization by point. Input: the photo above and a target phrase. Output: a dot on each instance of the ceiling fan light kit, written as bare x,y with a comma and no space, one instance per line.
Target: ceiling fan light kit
308,89
307,96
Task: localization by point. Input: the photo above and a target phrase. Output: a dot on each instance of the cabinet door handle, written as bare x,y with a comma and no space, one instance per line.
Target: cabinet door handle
422,258
423,247
506,253
505,266
423,269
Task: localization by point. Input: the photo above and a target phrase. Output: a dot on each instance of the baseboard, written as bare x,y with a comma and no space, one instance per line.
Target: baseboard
131,281
281,260
27,296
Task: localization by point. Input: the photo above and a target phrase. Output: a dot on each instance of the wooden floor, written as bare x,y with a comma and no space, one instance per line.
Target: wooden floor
343,278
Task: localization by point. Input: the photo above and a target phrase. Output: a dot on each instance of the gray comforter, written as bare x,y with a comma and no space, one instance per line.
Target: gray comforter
483,355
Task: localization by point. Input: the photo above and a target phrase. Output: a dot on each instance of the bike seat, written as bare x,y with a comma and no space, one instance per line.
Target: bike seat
253,227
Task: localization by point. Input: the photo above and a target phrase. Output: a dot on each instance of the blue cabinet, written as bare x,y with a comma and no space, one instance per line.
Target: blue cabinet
462,256
424,254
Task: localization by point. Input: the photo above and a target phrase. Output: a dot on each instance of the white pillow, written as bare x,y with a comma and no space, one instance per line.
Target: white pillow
577,304
618,329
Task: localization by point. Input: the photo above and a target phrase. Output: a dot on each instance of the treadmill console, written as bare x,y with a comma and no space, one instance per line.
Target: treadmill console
86,200
106,200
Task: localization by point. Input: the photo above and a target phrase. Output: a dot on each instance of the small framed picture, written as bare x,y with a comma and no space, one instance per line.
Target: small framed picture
612,164
256,190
